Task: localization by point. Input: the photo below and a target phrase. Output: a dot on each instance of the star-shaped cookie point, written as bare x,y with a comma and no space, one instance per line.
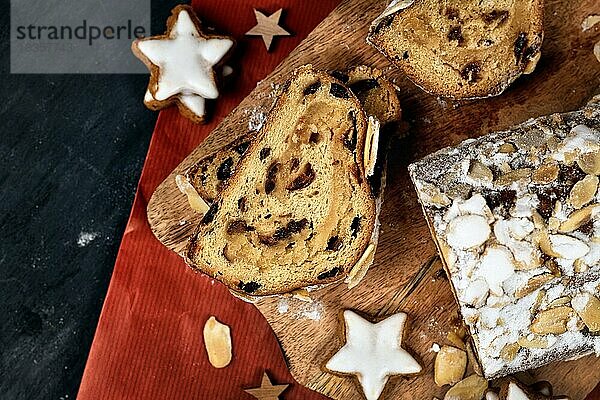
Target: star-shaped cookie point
267,391
267,27
181,64
373,352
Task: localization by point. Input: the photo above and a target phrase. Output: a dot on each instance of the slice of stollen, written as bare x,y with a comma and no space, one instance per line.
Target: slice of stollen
461,48
298,210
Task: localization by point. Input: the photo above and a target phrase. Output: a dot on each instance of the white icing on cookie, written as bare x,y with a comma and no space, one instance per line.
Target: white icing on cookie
373,352
515,393
194,103
185,60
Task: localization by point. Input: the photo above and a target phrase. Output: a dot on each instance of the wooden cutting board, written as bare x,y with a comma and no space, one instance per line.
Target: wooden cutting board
407,275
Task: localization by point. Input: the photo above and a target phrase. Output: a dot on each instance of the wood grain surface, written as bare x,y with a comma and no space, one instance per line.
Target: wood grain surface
407,275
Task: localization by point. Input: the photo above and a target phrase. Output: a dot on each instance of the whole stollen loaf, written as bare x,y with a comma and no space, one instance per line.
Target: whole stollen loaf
516,218
461,48
298,211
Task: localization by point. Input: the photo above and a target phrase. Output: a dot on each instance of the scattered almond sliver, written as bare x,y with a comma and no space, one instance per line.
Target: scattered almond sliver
450,365
589,22
302,295
196,202
371,146
358,272
471,388
217,341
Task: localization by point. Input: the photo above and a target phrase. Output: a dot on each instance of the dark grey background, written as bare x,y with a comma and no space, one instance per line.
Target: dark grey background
71,151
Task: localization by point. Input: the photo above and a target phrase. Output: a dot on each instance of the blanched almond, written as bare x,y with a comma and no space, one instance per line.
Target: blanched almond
471,388
302,295
533,284
360,269
543,241
583,191
567,247
450,365
534,342
578,218
217,341
588,309
561,301
538,301
553,321
580,266
590,162
467,231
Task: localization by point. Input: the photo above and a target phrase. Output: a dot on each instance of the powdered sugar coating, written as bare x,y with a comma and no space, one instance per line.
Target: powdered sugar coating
533,260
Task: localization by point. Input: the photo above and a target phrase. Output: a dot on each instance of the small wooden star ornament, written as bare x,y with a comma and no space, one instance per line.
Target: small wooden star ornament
267,27
267,391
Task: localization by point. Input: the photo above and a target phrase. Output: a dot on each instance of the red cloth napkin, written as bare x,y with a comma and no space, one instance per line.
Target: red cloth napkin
148,344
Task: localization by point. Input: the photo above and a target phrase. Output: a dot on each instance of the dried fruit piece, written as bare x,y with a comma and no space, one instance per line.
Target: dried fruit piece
217,341
588,309
583,191
450,365
471,72
306,177
553,321
533,284
590,162
480,172
337,90
471,388
271,178
510,351
578,218
546,173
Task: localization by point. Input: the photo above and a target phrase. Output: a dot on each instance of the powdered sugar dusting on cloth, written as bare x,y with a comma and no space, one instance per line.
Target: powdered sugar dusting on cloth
86,238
